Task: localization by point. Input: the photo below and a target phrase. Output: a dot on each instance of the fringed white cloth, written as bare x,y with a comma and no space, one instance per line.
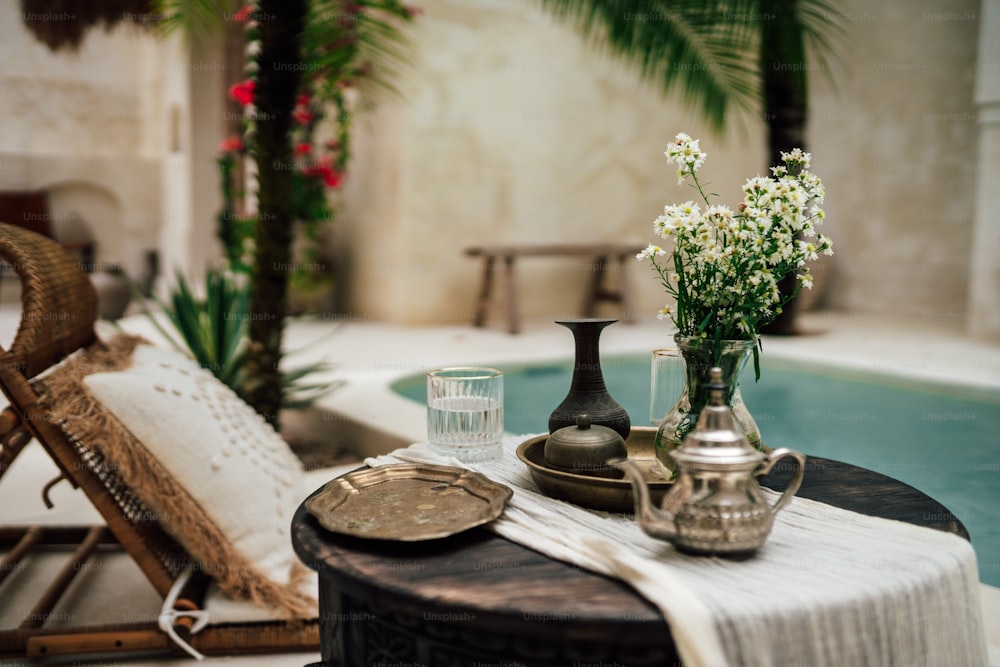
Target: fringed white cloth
829,588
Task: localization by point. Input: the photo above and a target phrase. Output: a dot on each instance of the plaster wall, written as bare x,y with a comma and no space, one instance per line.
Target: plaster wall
515,130
896,142
512,131
87,102
84,126
984,277
193,100
115,202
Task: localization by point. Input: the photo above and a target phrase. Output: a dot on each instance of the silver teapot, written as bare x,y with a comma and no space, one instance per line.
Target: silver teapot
716,506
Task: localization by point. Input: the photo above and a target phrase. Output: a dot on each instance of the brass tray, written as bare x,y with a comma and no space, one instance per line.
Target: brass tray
600,493
408,502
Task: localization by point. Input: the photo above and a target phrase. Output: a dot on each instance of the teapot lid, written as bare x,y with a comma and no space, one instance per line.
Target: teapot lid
716,439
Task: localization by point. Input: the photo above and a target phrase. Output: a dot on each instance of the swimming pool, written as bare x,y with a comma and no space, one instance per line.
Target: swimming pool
942,440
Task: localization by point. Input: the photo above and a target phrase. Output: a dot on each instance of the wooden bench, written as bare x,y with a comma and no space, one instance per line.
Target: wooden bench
604,256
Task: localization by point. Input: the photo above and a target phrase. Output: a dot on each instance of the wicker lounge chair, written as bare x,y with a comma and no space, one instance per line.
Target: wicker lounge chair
58,313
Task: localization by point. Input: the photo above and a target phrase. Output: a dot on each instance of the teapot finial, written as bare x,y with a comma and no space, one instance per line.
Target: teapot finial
716,386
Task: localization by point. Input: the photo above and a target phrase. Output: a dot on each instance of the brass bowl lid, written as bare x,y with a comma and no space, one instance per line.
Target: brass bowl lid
610,494
584,449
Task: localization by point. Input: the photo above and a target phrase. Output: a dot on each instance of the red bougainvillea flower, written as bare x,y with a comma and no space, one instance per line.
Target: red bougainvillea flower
302,115
324,169
332,178
231,145
303,148
244,14
243,91
303,100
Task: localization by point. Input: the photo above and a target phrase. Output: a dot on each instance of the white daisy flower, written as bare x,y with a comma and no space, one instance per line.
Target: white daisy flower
650,252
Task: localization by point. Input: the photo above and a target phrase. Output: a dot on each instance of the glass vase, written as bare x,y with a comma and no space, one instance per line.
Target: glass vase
700,355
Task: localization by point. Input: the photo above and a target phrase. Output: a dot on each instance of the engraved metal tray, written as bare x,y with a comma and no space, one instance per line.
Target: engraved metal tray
601,493
408,502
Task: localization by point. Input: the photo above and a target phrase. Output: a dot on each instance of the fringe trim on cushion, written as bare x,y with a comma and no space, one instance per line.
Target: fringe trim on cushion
84,418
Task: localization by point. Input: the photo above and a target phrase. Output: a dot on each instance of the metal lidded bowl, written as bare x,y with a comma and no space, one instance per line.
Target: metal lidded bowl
600,493
584,449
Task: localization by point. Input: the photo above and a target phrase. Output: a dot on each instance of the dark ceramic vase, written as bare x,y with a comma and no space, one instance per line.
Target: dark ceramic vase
587,392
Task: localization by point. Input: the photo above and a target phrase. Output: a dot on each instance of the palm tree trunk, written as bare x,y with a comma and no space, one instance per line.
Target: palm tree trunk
784,71
281,27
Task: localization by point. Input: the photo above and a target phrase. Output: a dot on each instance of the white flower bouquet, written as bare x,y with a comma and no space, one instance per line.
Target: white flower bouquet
724,270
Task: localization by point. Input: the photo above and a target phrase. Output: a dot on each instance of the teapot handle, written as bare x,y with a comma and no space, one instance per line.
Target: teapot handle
793,486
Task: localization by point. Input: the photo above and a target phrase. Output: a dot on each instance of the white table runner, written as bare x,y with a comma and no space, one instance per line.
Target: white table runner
829,588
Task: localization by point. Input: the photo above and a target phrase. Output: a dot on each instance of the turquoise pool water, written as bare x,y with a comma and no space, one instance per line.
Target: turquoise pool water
944,441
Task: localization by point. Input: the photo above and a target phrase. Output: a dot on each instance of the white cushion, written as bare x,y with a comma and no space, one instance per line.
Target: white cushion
224,455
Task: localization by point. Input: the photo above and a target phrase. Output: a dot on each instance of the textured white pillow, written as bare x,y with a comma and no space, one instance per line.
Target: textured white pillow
226,457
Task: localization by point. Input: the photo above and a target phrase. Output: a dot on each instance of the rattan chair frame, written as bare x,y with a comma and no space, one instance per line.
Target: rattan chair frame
58,312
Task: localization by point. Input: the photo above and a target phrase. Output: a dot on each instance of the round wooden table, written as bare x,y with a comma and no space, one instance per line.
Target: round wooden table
478,600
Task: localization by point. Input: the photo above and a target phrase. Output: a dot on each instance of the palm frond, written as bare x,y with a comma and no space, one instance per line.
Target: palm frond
196,19
693,47
822,32
708,51
360,36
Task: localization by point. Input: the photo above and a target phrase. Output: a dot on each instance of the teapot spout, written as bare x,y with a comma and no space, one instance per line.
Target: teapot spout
653,521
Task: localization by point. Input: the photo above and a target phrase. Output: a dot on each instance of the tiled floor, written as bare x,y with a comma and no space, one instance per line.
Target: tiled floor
365,415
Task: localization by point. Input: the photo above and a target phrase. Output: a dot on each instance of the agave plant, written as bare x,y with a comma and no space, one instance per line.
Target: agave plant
213,330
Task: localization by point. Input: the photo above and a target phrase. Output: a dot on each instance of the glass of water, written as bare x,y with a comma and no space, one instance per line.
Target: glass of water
667,378
465,412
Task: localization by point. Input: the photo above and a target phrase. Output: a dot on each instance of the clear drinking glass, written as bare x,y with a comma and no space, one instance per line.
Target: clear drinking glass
666,382
465,412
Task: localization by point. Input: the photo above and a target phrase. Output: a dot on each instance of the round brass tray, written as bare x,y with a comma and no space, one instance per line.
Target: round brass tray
601,493
408,502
